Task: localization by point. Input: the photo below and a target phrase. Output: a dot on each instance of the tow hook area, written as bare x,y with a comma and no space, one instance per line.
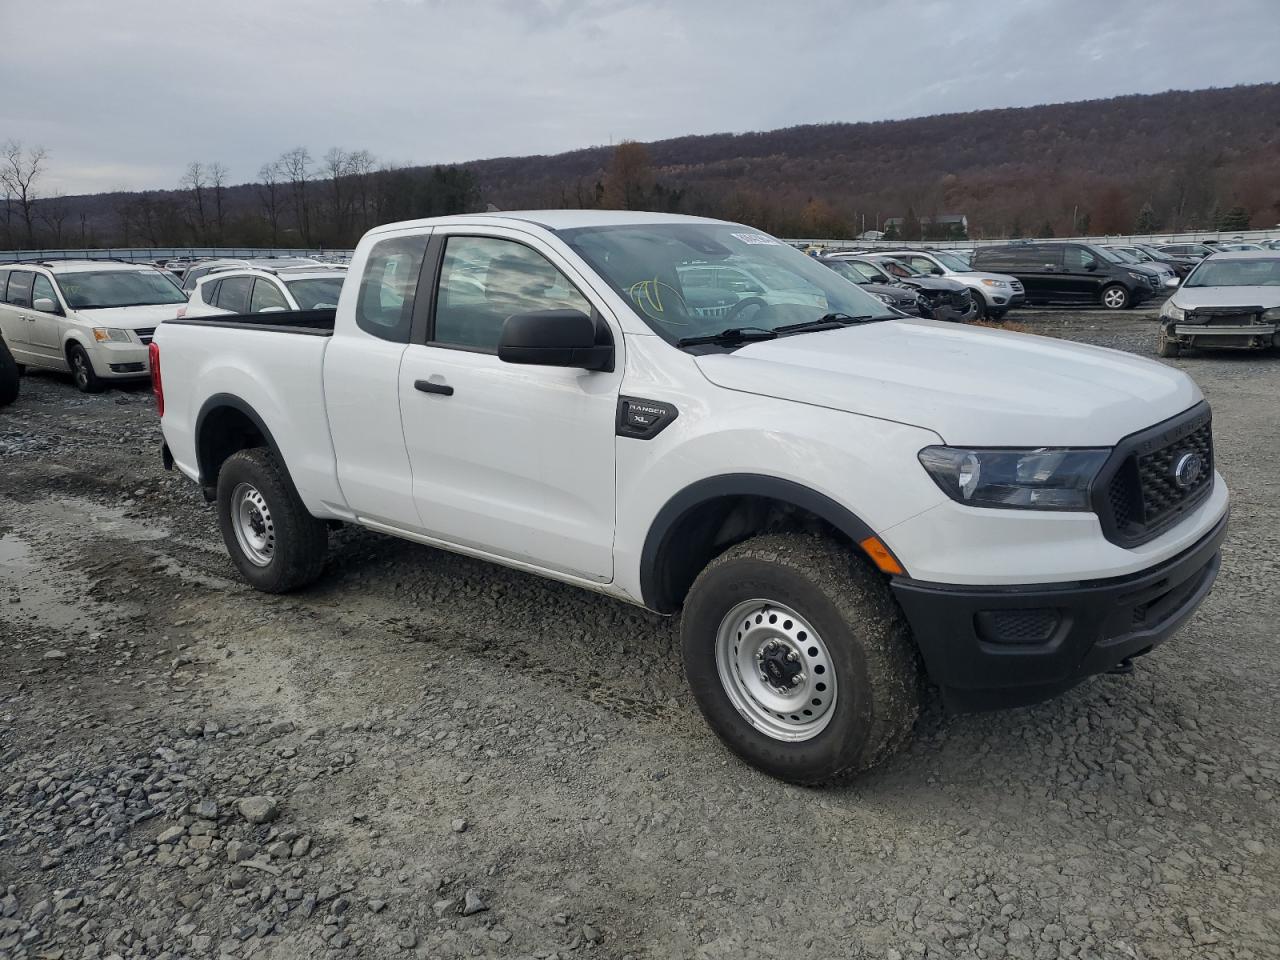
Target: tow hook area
1122,669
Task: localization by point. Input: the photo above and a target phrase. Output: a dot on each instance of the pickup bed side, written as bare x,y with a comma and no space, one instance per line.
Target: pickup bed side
227,379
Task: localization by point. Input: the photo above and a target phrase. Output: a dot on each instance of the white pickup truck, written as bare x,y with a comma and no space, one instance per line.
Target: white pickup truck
838,499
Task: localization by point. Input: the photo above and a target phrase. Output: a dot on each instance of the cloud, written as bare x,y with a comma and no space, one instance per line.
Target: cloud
142,88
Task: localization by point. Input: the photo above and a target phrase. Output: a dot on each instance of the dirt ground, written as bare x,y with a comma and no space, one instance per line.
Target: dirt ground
426,756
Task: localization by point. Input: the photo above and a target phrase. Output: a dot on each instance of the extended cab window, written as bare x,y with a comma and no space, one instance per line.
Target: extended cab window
484,280
266,296
389,287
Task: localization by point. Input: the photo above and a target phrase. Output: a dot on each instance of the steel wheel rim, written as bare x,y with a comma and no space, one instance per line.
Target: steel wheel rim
251,520
758,643
1113,298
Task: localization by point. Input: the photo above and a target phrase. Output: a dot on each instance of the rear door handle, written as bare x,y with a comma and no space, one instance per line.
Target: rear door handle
426,386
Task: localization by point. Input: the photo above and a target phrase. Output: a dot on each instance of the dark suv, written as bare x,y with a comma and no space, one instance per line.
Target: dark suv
1071,273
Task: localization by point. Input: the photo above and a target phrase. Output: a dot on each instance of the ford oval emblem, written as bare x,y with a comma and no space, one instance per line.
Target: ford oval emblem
1188,469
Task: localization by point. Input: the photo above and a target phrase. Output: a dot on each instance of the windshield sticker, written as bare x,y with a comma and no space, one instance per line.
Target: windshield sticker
758,239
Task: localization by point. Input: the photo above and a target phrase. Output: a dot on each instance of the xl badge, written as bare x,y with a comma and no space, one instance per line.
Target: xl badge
1187,470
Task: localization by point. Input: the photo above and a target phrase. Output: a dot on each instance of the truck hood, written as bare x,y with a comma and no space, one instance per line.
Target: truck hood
1188,298
971,386
130,318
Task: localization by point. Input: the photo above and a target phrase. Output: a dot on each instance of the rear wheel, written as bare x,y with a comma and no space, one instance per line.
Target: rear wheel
82,371
274,542
1115,297
799,658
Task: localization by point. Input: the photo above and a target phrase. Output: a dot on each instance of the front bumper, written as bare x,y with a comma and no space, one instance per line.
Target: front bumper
119,360
996,647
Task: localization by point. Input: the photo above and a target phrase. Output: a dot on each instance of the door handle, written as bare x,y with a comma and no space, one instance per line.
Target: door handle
426,386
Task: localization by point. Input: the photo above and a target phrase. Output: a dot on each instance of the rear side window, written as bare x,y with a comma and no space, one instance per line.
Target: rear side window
4,281
209,292
20,288
233,294
389,286
266,296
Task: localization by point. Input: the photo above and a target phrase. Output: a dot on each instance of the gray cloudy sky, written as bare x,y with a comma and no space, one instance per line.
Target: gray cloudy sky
124,93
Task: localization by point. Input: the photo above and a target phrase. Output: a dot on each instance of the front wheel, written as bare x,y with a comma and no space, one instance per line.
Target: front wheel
980,304
274,542
799,658
1115,297
1166,347
82,371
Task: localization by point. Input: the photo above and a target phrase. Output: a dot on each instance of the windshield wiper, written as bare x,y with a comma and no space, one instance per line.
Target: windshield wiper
732,335
828,321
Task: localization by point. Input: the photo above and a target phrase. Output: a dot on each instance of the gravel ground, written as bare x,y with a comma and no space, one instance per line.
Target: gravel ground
425,756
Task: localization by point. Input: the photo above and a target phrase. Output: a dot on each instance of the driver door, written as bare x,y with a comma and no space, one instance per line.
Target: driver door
512,461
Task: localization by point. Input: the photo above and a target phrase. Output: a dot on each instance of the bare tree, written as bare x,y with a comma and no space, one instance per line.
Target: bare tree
295,165
53,213
218,182
195,181
361,166
19,171
337,164
271,196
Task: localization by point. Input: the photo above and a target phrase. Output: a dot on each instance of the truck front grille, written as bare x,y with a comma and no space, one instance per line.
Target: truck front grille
1156,476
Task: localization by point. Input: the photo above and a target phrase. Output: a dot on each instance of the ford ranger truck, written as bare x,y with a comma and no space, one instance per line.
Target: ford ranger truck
839,501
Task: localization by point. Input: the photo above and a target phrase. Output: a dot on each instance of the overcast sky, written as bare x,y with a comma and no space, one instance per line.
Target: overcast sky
124,93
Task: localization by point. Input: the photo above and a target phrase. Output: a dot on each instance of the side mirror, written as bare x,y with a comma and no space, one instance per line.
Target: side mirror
554,338
1091,265
936,271
45,305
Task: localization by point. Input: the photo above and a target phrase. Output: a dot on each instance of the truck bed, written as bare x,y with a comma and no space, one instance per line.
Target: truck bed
313,323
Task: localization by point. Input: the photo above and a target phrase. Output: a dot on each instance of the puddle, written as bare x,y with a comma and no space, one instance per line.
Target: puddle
110,520
33,593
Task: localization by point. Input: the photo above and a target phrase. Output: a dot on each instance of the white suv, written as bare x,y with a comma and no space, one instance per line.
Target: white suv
94,318
265,291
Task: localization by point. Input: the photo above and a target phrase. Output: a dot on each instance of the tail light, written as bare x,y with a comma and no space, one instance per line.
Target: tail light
157,385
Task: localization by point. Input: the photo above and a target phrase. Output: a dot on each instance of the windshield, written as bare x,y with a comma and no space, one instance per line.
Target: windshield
316,294
1260,272
118,288
1124,256
697,279
952,262
1105,254
898,268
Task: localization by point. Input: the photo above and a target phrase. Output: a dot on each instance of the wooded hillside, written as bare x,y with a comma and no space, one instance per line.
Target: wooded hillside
1177,160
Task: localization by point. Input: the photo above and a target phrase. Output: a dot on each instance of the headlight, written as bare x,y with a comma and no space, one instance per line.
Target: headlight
1138,276
1042,479
994,283
1170,312
1272,314
885,298
102,334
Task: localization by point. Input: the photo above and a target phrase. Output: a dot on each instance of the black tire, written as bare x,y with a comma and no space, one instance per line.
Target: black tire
82,371
980,302
872,655
1116,296
299,542
997,316
1166,347
8,376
